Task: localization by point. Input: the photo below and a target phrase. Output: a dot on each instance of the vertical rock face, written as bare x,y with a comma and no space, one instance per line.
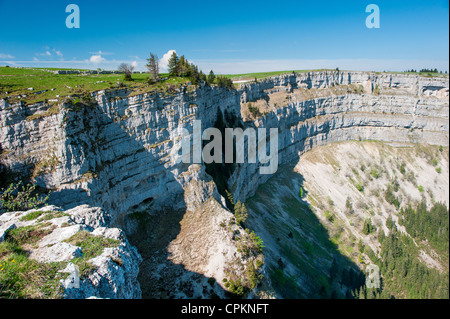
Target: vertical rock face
120,152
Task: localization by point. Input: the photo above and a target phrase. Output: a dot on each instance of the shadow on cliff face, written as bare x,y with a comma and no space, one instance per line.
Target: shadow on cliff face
302,260
152,232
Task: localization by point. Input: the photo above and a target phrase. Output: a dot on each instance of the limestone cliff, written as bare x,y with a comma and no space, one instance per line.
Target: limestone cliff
115,150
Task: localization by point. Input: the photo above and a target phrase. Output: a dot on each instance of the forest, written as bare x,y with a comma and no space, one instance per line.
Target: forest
404,275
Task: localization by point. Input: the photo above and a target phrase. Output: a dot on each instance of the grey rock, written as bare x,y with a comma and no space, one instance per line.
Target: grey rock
61,234
58,252
90,216
115,269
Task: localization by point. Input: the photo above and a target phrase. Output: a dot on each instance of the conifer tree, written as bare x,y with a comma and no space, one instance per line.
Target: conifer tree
173,65
211,77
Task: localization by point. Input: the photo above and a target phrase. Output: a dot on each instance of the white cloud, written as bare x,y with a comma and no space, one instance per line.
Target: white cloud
134,64
50,52
164,61
47,53
6,56
96,59
101,53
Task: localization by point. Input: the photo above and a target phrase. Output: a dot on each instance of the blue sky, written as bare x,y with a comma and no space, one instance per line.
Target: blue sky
228,36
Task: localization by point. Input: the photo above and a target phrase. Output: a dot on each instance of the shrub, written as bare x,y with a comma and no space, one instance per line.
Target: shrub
330,201
301,192
360,187
368,227
391,198
375,173
236,288
254,111
403,168
257,243
329,216
14,199
240,212
224,82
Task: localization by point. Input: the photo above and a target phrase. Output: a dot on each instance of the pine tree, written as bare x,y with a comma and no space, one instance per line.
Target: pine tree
240,212
173,65
183,67
211,77
192,73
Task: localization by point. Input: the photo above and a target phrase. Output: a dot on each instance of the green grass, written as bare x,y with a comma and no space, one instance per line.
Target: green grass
91,247
46,215
32,215
28,235
21,277
16,81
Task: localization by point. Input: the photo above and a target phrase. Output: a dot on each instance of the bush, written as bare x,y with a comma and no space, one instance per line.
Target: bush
302,194
13,199
375,173
224,82
254,111
240,212
236,288
360,187
329,216
391,198
368,227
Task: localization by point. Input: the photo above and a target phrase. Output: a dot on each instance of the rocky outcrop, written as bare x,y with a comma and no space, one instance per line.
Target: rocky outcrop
93,259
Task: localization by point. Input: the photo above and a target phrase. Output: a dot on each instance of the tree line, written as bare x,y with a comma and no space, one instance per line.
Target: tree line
425,71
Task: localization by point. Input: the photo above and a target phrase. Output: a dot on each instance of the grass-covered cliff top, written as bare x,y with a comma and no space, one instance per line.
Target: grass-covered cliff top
36,85
32,85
